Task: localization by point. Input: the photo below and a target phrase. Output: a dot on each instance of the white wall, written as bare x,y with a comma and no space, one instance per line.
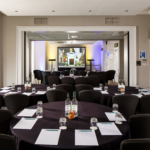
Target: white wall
38,60
126,59
1,62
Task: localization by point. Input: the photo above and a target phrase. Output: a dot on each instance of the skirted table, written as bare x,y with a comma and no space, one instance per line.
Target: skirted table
53,111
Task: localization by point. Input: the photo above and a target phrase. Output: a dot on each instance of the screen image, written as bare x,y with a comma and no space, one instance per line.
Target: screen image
71,57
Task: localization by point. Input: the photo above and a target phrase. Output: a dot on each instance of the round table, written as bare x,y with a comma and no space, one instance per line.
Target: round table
51,115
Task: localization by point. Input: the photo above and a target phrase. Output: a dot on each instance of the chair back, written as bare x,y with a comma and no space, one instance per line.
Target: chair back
140,126
127,104
110,75
66,87
135,144
81,87
46,78
7,142
53,80
100,78
90,96
38,75
145,104
16,102
92,72
68,80
44,73
65,73
81,80
56,95
82,73
93,80
1,101
56,73
103,74
5,118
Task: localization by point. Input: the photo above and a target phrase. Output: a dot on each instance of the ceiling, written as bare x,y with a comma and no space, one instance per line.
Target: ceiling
72,7
74,37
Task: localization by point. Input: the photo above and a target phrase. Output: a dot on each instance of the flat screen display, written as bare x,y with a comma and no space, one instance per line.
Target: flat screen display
71,57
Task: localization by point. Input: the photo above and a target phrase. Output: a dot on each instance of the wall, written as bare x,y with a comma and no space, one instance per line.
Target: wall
126,59
121,58
1,62
9,25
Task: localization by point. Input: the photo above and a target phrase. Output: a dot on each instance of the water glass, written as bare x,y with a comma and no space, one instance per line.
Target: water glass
122,90
39,104
137,86
39,112
54,86
13,86
139,90
19,89
118,118
93,123
148,90
33,90
115,108
48,88
106,88
62,123
101,86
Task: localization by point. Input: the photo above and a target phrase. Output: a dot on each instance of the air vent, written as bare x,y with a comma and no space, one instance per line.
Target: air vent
40,21
111,21
60,42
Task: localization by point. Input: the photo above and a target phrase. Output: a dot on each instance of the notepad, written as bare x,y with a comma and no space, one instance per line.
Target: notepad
104,92
99,89
26,93
6,88
11,93
111,116
108,128
27,112
40,92
145,93
117,93
25,123
4,91
138,95
143,90
48,137
85,138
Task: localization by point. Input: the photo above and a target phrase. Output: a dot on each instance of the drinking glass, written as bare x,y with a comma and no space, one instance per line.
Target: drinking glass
139,90
19,89
39,104
93,123
137,86
62,123
122,90
118,118
33,90
101,86
13,86
54,86
39,112
106,88
148,90
48,88
115,108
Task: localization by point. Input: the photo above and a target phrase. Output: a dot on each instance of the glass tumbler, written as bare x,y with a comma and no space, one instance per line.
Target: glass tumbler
115,108
54,86
106,88
62,123
39,104
101,86
19,89
39,112
13,86
93,123
48,88
33,90
118,118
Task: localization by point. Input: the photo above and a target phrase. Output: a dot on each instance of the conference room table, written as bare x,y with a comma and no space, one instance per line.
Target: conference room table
106,99
53,111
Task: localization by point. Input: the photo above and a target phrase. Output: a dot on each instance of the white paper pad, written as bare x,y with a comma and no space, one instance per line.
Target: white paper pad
27,112
85,137
40,92
104,92
145,93
108,128
48,137
111,116
99,89
139,95
11,93
117,93
143,90
4,91
6,88
26,93
25,123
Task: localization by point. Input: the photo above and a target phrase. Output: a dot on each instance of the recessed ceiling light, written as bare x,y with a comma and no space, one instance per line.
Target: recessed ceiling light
74,37
90,10
53,10
126,10
16,11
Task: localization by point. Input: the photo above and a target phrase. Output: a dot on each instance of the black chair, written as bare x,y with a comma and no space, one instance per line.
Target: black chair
1,101
82,73
90,96
81,87
16,102
56,95
7,142
46,78
56,73
53,80
38,75
92,80
110,75
66,87
90,73
5,118
135,144
68,80
140,126
44,73
81,80
127,104
145,104
100,78
65,73
76,73
103,74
